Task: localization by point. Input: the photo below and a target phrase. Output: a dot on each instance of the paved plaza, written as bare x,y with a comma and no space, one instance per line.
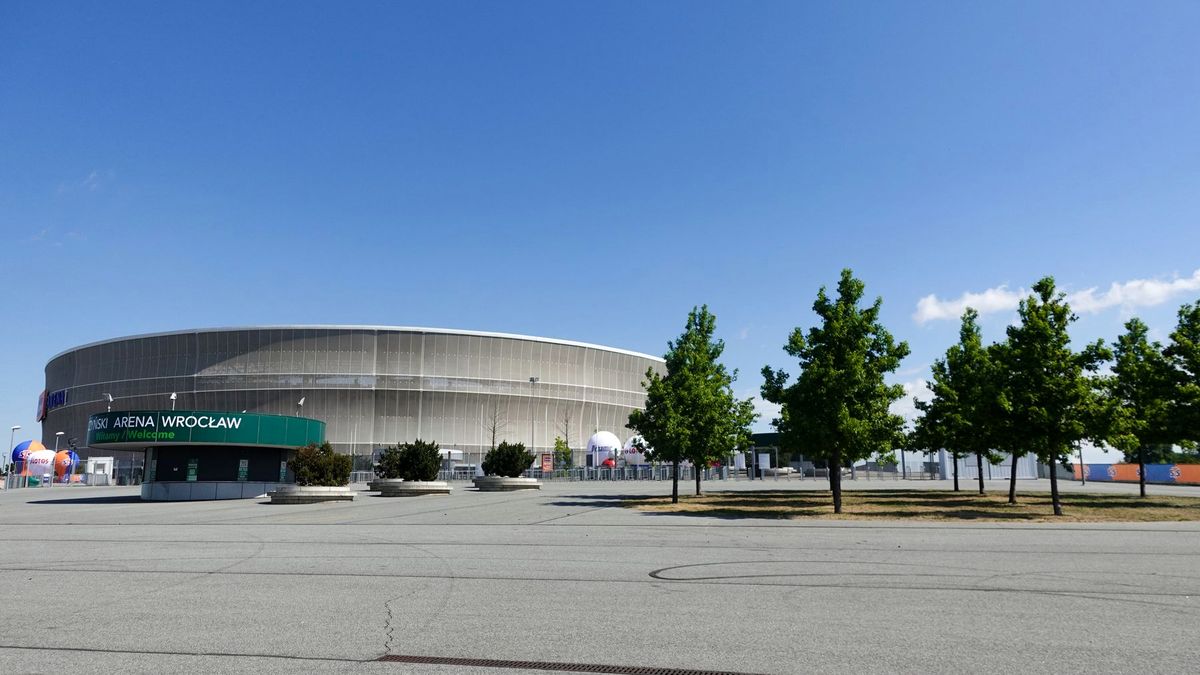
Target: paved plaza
97,581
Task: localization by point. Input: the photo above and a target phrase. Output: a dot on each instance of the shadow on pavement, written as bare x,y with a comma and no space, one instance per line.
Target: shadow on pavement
120,499
596,501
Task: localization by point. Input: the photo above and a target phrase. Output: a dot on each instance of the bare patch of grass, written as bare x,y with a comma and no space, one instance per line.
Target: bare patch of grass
927,505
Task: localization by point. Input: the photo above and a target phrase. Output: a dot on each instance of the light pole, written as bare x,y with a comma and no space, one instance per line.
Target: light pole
532,381
300,406
109,398
173,397
8,455
57,435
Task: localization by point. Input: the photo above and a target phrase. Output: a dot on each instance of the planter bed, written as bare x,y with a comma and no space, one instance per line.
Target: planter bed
310,494
412,488
506,484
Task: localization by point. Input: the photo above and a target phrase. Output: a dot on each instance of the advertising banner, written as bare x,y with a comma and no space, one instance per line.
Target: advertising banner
1128,473
141,428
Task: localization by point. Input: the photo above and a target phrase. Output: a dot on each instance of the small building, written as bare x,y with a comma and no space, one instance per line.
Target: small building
201,454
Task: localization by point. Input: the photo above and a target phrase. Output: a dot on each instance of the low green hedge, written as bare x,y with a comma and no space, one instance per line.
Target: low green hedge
418,461
320,465
507,459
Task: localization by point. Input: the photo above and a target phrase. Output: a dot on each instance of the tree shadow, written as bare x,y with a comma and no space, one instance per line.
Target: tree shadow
952,514
121,499
899,504
738,514
598,502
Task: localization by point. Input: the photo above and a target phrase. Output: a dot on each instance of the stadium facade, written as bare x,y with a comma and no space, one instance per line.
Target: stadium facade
373,386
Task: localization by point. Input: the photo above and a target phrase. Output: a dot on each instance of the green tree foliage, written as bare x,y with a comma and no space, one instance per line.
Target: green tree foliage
562,454
837,409
417,461
388,466
507,459
936,428
965,403
1001,423
1050,398
320,465
1141,394
1183,354
691,412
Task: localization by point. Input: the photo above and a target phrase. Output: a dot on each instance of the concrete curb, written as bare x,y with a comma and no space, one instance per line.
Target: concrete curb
310,494
506,484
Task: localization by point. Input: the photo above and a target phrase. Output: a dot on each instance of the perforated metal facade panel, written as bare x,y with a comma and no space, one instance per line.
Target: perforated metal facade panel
373,386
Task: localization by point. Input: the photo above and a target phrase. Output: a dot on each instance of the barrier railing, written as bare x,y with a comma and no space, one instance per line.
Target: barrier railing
580,473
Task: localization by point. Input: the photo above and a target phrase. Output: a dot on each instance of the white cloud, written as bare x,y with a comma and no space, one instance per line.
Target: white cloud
766,410
904,405
1132,294
1127,295
93,182
998,299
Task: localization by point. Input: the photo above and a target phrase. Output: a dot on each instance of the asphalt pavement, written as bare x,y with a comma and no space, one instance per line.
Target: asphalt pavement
97,581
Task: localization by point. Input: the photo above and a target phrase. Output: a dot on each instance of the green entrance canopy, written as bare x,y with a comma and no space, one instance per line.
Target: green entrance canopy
135,429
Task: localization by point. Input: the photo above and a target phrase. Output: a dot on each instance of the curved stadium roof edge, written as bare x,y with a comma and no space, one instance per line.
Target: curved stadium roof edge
405,329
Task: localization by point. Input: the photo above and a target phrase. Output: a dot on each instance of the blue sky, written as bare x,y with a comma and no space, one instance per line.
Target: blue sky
587,170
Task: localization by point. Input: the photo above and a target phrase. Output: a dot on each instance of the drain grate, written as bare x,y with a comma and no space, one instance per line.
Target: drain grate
550,665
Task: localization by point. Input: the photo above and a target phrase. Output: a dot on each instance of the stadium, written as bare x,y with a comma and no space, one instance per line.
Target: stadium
371,386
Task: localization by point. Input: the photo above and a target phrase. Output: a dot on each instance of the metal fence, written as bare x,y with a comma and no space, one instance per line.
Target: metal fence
15,481
581,473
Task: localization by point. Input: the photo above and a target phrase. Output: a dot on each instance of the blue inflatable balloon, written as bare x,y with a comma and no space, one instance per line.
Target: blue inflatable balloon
23,449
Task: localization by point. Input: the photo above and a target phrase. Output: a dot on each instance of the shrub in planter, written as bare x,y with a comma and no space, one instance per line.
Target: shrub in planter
416,461
320,465
507,459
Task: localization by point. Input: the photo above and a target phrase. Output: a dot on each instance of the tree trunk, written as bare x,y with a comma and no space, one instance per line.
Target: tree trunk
697,468
1012,480
675,482
1142,470
1054,486
979,463
835,480
954,459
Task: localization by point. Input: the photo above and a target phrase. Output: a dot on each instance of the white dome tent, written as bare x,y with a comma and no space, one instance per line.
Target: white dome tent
633,456
40,463
601,446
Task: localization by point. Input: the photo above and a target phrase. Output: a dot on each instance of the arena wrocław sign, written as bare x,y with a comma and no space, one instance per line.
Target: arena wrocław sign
141,428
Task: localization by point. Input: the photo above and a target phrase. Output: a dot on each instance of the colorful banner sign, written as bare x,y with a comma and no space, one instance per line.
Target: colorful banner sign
1128,473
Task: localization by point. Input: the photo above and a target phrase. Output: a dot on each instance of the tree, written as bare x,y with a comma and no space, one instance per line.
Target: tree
562,454
320,465
494,422
936,429
1141,395
1001,424
564,425
1183,354
507,459
965,401
691,412
416,461
1050,399
837,409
